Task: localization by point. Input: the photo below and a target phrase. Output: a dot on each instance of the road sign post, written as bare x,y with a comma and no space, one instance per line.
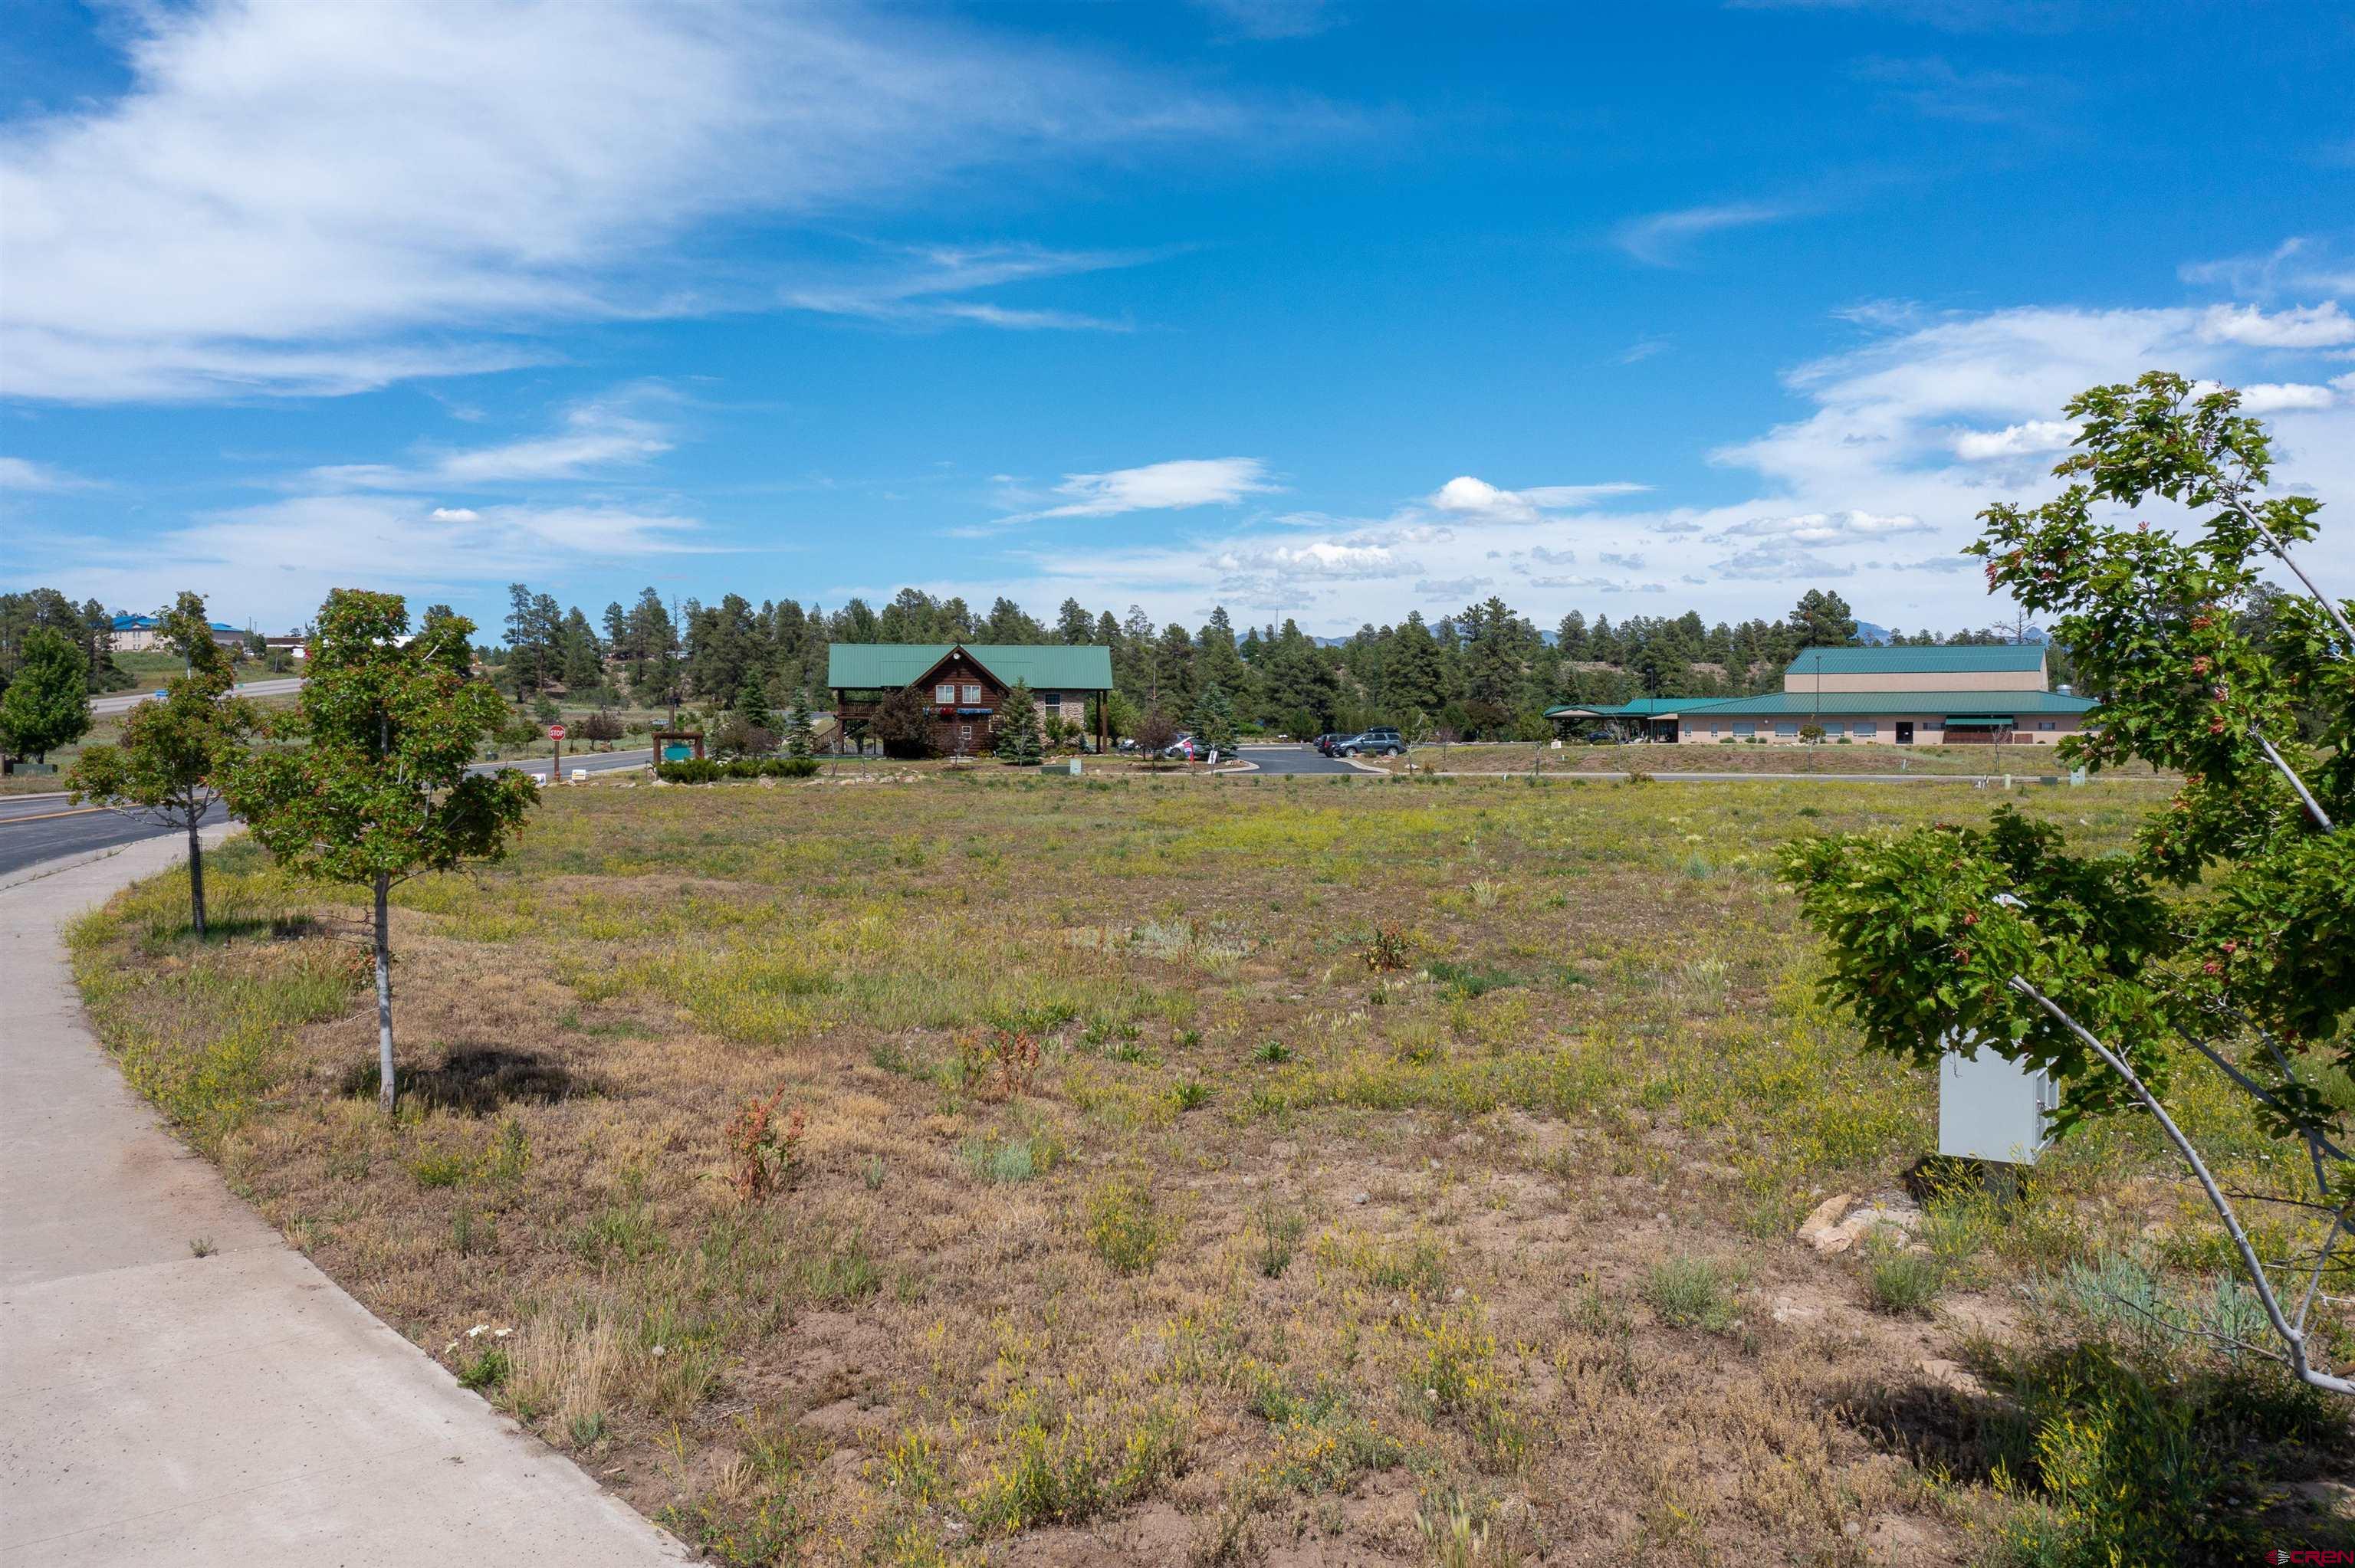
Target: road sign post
556,767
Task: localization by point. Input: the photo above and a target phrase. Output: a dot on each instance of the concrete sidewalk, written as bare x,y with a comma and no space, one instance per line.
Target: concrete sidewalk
156,1407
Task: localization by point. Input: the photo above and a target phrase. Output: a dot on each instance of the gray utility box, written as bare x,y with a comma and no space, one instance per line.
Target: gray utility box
1989,1108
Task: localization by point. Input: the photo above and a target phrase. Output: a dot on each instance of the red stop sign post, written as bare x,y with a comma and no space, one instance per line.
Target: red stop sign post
556,767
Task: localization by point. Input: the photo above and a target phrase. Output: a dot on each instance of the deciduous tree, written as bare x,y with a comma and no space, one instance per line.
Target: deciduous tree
176,754
2228,936
379,791
46,705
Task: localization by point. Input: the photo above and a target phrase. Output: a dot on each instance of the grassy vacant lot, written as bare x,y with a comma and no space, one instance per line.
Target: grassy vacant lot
1317,1172
1709,757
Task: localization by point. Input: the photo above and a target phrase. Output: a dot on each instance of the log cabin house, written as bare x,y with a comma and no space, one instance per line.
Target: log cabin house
964,685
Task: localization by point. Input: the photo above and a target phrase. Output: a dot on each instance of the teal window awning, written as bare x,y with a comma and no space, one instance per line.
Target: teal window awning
1983,721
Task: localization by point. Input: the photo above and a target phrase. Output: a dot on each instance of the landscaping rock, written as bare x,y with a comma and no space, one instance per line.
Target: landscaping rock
1823,1218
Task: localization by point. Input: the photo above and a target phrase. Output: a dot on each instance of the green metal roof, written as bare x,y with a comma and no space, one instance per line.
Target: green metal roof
1900,704
1047,666
2010,657
1642,708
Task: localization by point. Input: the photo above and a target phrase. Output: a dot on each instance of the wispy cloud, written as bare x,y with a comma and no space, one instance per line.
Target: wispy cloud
277,561
2299,265
596,436
23,473
1663,238
2317,326
1274,18
1157,487
306,198
1936,88
928,287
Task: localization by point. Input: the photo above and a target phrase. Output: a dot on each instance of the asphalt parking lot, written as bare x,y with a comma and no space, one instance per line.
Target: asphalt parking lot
1292,758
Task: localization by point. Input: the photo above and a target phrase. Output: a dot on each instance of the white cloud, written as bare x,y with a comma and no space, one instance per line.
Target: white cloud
925,291
1780,563
1323,561
320,198
1824,527
2277,397
1877,487
1453,588
275,562
1933,87
2027,438
2317,326
1466,496
1157,487
595,437
1661,238
23,473
2298,265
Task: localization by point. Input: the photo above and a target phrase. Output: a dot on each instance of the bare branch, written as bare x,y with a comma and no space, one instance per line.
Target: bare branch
2321,1260
2278,547
2316,1142
2313,807
2292,1337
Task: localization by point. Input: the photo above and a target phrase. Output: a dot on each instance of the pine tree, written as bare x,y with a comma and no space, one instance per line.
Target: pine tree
753,705
800,740
1214,719
1017,727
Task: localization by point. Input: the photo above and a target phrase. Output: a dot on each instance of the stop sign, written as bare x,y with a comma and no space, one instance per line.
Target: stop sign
556,731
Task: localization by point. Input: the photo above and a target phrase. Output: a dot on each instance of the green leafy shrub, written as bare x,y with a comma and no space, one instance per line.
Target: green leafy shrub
2121,1461
711,770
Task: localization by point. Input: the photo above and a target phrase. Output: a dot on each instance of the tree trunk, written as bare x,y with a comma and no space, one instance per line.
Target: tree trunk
195,877
383,991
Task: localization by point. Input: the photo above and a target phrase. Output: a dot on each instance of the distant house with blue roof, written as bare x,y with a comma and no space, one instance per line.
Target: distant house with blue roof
144,633
1952,694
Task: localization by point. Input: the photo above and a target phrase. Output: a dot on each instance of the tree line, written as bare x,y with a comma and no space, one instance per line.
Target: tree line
1485,672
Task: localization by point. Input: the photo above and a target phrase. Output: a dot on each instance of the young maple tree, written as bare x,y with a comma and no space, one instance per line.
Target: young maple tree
379,791
175,752
2228,933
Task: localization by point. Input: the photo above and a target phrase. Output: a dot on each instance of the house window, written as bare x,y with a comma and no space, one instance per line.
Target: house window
1789,728
1832,728
2046,723
945,692
972,692
1052,699
1743,729
1863,729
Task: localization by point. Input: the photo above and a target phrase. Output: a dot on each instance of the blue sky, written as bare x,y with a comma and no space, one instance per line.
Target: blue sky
1330,311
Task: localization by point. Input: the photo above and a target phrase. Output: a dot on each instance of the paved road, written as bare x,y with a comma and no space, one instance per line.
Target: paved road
235,1410
1292,759
123,702
35,828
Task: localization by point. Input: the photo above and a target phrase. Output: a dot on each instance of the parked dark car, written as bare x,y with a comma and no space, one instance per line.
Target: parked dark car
1379,741
1323,743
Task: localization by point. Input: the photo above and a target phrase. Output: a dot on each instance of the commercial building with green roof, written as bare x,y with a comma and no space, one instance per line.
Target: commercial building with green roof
1904,696
964,684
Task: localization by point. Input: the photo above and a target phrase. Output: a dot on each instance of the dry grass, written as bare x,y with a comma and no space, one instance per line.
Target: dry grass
1480,1255
2024,762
